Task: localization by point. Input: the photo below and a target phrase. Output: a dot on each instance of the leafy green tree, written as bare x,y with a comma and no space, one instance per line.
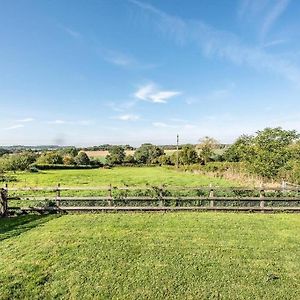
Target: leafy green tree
187,155
206,148
129,159
82,159
70,151
116,155
240,150
69,160
267,152
17,161
271,150
165,160
50,158
148,153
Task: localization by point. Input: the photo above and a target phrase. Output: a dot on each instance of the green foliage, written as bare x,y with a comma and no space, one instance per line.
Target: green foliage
129,159
187,155
206,148
50,158
148,153
17,161
69,151
82,159
61,167
116,155
240,150
69,160
165,160
267,152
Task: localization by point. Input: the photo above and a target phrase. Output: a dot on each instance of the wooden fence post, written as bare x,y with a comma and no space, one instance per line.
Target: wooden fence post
211,195
262,196
58,195
283,185
110,195
161,200
3,201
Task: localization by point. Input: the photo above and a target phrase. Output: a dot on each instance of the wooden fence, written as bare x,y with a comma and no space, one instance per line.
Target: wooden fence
163,198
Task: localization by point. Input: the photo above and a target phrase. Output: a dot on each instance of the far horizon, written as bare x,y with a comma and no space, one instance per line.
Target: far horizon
137,71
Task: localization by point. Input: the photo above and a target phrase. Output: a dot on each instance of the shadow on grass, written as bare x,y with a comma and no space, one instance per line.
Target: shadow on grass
11,227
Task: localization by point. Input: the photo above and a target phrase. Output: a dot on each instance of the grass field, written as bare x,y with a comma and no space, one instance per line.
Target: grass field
151,256
117,177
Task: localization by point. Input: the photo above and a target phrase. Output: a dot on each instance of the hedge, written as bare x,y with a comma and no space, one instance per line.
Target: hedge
63,167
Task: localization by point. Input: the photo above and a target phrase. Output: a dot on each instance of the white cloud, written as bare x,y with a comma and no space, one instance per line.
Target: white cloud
128,117
26,120
160,124
174,125
151,93
64,122
14,127
57,122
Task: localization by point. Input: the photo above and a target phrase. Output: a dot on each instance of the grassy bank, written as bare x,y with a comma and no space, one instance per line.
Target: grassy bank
151,256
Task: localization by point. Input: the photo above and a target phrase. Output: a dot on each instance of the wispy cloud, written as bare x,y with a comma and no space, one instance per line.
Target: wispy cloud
266,12
117,58
71,32
26,120
273,14
65,122
222,44
14,127
173,125
127,117
218,94
274,43
122,59
152,93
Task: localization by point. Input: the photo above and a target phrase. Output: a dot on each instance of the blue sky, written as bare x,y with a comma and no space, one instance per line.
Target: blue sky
128,71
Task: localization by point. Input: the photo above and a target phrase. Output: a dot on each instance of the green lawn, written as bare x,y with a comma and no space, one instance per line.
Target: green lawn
151,256
117,177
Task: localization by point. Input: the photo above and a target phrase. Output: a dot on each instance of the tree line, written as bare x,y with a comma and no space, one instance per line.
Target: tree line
271,153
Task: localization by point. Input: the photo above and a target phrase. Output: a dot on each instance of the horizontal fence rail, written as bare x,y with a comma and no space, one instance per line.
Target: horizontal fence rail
148,198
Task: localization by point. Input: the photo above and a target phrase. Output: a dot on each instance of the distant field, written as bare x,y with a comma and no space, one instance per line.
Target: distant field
118,176
151,256
103,154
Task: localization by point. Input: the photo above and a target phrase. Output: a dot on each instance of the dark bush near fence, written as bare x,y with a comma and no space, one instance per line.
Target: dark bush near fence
64,167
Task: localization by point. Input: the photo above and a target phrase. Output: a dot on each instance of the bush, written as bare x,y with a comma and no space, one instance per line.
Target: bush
62,167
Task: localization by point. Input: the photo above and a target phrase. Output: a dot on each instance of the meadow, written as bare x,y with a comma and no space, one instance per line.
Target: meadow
118,176
150,256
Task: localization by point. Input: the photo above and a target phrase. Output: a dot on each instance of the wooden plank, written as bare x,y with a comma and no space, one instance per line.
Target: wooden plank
105,188
157,198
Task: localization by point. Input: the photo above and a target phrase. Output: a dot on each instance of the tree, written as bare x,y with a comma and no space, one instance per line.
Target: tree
271,150
188,155
267,152
69,160
148,153
70,151
116,155
165,160
50,158
129,159
240,150
82,159
206,147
